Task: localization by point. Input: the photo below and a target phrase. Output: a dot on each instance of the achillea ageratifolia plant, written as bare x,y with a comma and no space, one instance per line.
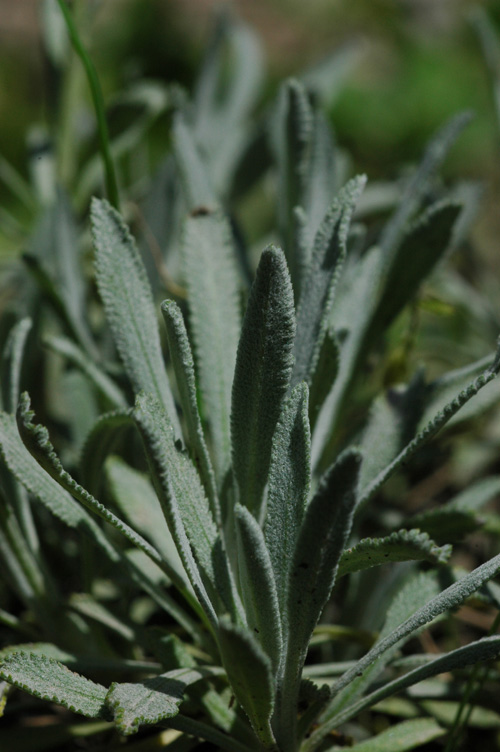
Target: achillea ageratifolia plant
248,517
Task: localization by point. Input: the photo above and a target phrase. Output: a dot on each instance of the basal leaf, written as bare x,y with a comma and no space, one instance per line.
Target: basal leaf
326,526
263,367
403,545
196,182
249,671
107,432
151,700
11,364
48,679
182,360
186,510
258,586
78,357
316,297
213,297
128,302
415,191
288,487
402,737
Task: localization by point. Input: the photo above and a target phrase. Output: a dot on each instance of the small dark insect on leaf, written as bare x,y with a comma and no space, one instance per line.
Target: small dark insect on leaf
201,211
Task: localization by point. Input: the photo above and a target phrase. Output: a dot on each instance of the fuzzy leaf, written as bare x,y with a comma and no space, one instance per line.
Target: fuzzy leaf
186,509
288,487
326,526
321,184
479,651
128,302
11,364
417,187
213,296
249,671
434,425
196,182
402,737
78,357
263,367
325,373
151,700
403,545
257,584
316,298
49,680
182,361
107,432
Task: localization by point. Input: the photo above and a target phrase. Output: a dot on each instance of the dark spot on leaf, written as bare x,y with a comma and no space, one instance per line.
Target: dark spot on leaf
201,211
304,565
256,630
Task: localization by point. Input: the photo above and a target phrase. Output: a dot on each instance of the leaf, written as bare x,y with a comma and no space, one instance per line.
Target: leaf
49,680
213,296
186,510
36,439
434,425
250,674
288,487
196,183
11,364
479,651
135,497
151,700
182,361
107,432
420,249
263,367
412,196
77,357
258,585
128,302
324,531
325,373
403,545
403,736
322,178
316,297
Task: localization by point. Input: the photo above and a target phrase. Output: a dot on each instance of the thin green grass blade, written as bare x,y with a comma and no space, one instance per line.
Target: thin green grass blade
182,361
213,297
263,367
129,306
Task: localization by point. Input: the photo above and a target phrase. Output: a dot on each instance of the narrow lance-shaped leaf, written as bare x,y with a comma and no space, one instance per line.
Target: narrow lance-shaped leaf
322,539
432,428
402,736
198,189
36,439
11,364
213,298
258,586
482,650
128,302
403,545
316,297
108,431
412,196
250,674
186,510
322,176
182,360
49,680
262,376
288,487
324,376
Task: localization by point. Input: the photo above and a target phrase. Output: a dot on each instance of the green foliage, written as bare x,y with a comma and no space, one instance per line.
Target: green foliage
228,501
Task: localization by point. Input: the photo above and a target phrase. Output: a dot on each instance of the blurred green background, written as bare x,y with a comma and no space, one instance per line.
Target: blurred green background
419,62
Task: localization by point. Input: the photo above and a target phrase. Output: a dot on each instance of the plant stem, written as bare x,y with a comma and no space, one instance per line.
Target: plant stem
97,98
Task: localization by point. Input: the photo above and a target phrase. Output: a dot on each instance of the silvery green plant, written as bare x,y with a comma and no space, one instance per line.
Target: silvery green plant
244,529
